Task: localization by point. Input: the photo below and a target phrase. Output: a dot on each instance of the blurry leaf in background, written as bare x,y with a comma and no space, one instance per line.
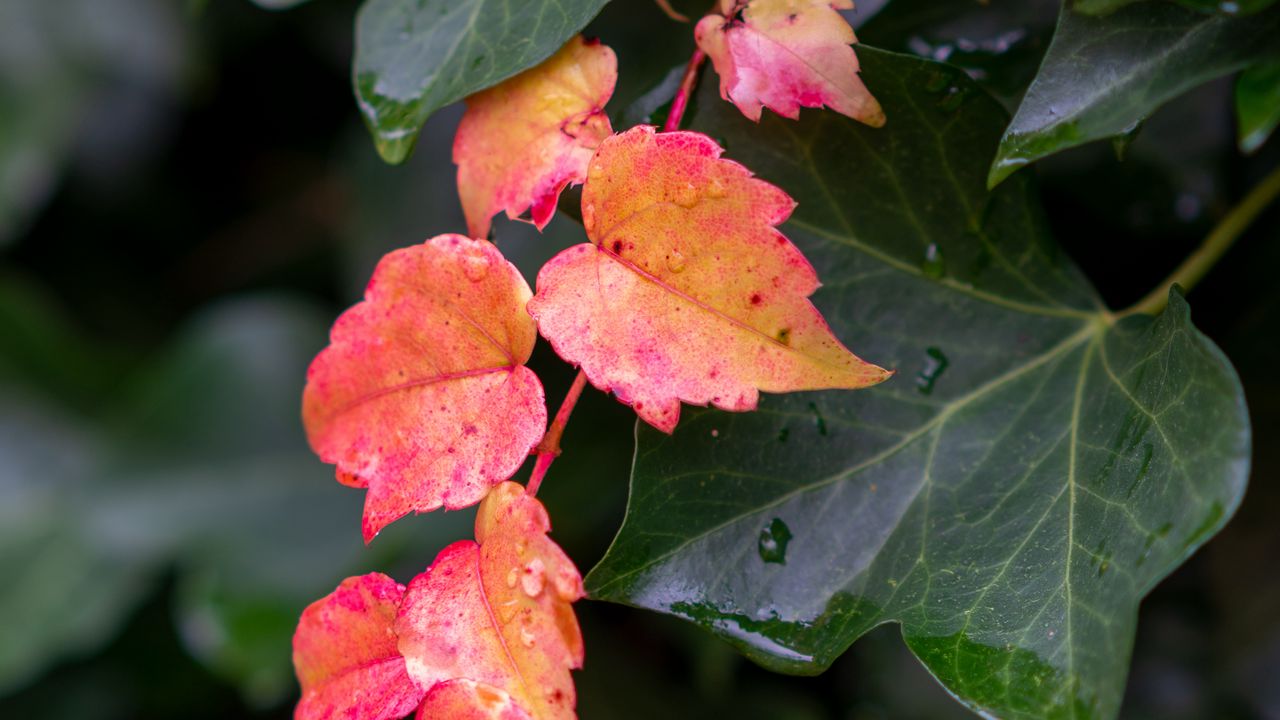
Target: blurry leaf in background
998,43
279,4
413,57
200,463
1257,104
1102,76
69,71
1009,497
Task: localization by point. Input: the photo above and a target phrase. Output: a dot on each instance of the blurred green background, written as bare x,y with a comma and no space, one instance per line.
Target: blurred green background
188,199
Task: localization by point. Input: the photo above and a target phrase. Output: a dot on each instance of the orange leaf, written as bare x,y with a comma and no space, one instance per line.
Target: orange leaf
346,656
496,614
422,395
688,293
787,54
522,142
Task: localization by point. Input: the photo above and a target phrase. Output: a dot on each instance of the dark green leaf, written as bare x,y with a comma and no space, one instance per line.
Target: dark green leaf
413,57
1222,7
1257,104
1009,497
1104,75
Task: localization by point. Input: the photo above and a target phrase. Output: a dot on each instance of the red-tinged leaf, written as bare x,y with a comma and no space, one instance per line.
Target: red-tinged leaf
497,613
422,395
469,700
688,292
785,55
346,655
522,142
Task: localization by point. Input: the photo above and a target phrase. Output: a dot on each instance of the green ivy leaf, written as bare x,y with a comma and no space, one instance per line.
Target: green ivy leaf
413,57
1103,75
1032,471
1257,104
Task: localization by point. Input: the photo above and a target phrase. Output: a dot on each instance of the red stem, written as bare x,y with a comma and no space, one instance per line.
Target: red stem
681,100
549,448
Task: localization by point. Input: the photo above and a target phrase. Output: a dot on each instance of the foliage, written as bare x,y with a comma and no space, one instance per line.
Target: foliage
1019,468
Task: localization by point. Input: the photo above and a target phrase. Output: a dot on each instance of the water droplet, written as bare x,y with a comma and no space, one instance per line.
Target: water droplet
773,542
818,420
594,171
507,610
953,98
1120,143
527,637
534,578
513,576
476,266
933,266
935,363
937,81
521,546
716,189
686,195
675,260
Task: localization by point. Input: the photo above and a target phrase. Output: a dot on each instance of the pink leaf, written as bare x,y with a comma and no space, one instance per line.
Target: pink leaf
422,395
787,54
346,656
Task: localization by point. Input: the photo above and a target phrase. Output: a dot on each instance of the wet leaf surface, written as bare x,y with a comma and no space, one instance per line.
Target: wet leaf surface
413,57
1008,498
1102,76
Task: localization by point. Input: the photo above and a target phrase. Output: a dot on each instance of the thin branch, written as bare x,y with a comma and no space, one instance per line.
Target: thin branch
548,448
1215,244
687,84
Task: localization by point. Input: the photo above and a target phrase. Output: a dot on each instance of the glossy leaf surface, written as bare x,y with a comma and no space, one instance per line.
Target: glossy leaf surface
1008,498
785,55
687,291
422,395
496,613
1257,104
346,656
413,57
1104,75
522,142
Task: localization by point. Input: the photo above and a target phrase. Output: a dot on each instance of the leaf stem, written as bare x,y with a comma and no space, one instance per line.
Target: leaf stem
681,101
548,448
671,12
1215,244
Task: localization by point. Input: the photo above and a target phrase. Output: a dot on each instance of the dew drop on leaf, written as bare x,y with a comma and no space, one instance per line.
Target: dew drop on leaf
935,363
527,637
675,260
534,578
476,267
513,576
933,266
773,542
686,195
818,421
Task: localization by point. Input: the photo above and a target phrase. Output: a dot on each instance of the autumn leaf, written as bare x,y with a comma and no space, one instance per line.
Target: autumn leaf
346,656
688,292
422,395
785,55
495,614
523,141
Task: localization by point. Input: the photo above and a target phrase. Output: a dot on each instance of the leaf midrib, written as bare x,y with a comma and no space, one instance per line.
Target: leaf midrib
1088,332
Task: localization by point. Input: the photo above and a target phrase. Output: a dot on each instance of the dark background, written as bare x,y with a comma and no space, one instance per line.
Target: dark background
188,199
